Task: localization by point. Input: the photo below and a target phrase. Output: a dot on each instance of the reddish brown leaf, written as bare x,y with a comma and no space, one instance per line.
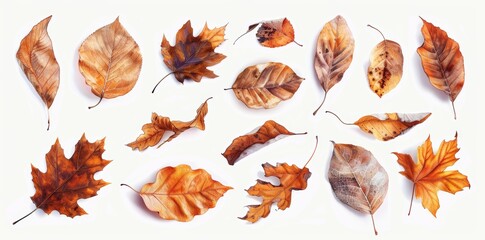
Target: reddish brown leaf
37,60
190,56
274,33
68,180
442,61
243,146
154,131
180,193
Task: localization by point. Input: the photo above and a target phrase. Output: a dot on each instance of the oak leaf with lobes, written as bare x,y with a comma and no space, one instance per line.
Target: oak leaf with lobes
110,61
274,33
180,193
291,178
442,61
36,58
153,132
357,179
68,180
266,85
190,56
428,174
243,146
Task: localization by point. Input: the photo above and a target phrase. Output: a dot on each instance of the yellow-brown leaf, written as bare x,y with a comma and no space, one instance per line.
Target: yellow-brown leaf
274,33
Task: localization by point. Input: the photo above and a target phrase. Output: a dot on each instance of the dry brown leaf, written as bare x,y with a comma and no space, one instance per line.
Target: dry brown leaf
180,193
154,131
37,60
245,145
389,125
110,61
274,33
291,178
385,69
265,85
442,61
335,49
428,174
357,179
68,180
190,56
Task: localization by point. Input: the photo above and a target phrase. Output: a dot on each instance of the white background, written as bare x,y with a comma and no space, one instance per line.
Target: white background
118,211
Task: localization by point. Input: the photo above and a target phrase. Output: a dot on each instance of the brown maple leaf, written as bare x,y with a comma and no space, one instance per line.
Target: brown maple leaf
190,56
154,131
428,174
291,178
68,180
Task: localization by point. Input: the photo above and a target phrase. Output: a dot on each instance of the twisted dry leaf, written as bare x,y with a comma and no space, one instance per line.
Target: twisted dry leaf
245,145
442,61
335,49
37,60
68,180
385,69
190,56
154,131
265,85
291,178
389,125
180,193
428,174
357,179
274,33
110,61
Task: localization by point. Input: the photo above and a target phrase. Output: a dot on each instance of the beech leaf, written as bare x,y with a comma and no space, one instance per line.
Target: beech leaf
265,85
428,174
180,193
274,33
385,68
190,56
335,49
36,58
357,179
68,180
389,125
442,61
154,131
110,61
245,145
291,178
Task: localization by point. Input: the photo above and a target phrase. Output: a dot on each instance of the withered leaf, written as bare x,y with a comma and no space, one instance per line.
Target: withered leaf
385,69
245,145
190,56
389,125
357,179
442,61
335,49
110,61
154,131
68,180
265,85
428,174
274,33
180,193
291,178
37,60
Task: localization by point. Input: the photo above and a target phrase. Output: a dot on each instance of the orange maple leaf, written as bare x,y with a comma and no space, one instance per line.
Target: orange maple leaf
68,180
428,174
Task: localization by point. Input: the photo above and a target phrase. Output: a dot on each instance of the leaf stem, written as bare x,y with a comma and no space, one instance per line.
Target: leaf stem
454,111
250,28
314,150
161,81
297,43
368,25
126,185
225,89
49,119
321,104
373,223
412,198
100,98
339,118
25,216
